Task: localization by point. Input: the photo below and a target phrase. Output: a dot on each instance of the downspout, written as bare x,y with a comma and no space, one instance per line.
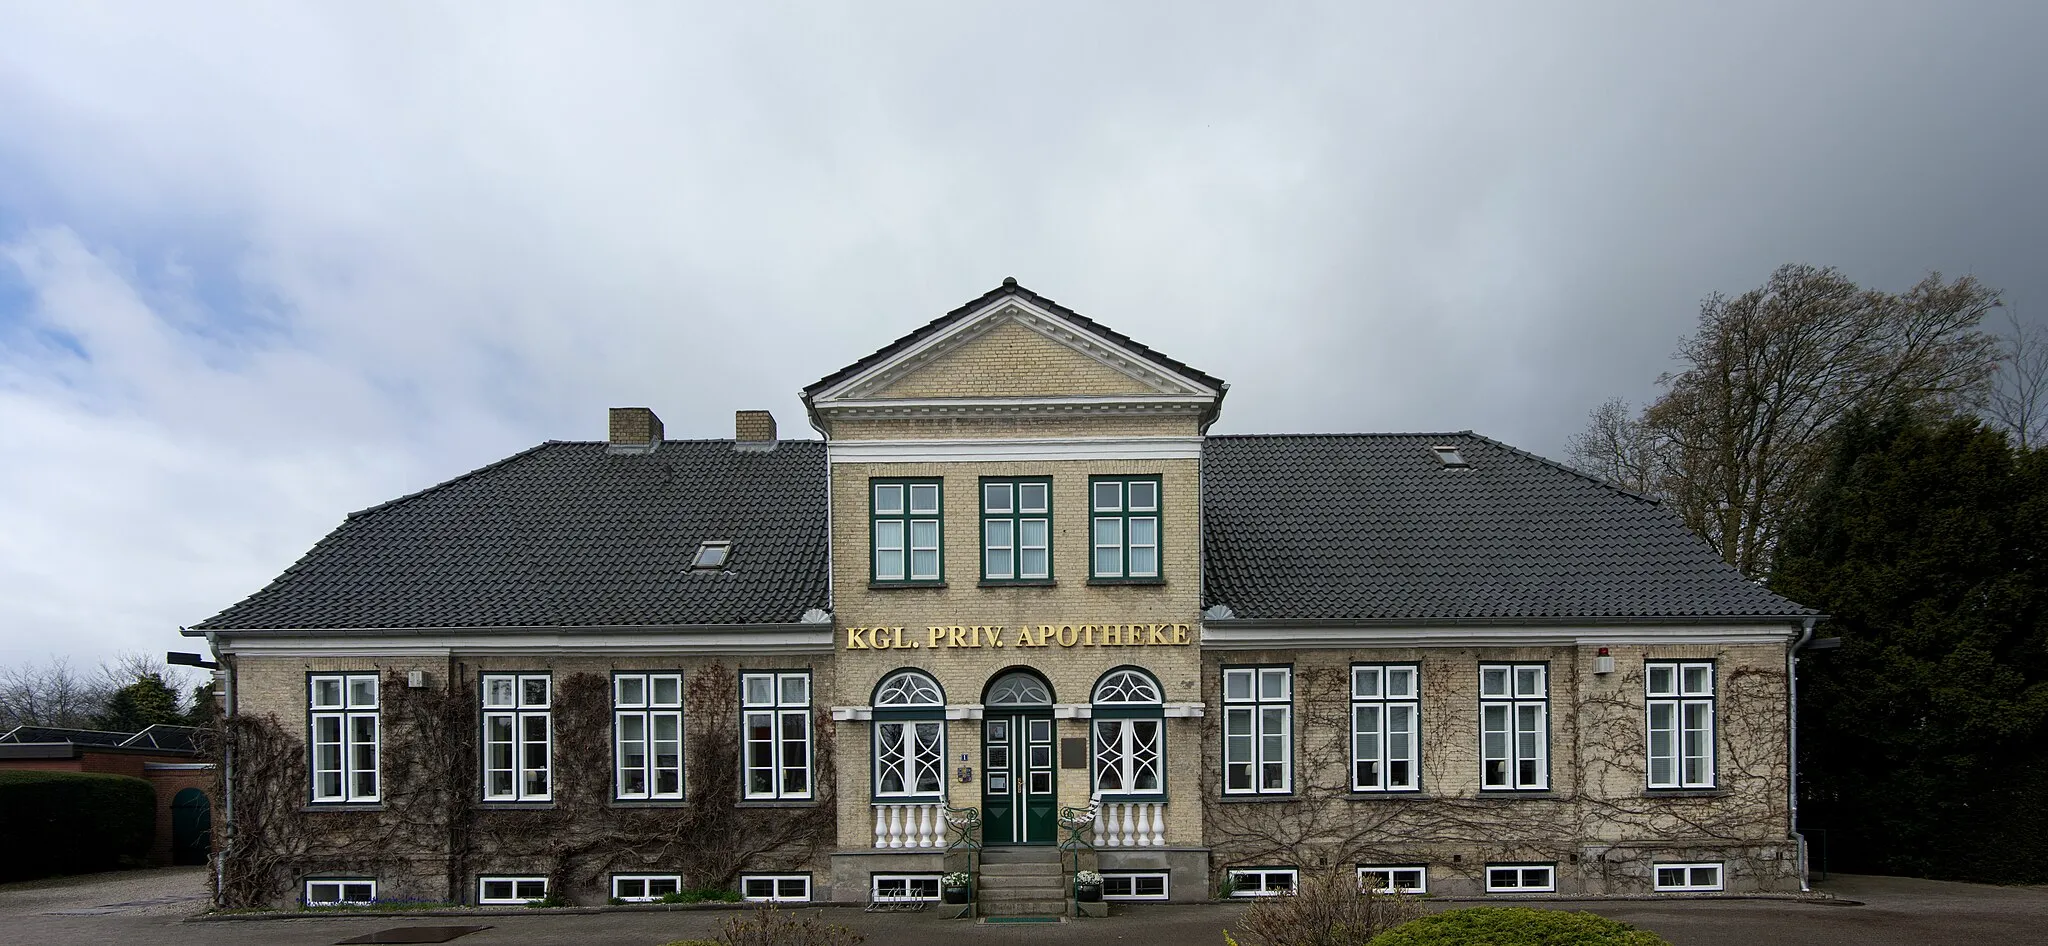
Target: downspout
831,585
1792,743
227,769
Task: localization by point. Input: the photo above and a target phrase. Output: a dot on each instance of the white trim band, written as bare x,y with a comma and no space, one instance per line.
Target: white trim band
567,642
1015,450
1303,638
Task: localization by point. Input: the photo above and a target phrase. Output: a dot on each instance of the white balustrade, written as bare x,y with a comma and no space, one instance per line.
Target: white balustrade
1131,824
913,826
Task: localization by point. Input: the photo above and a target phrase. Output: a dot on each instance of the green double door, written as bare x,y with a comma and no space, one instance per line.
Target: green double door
1018,785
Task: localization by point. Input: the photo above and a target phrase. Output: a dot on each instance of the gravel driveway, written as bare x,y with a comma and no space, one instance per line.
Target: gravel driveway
149,908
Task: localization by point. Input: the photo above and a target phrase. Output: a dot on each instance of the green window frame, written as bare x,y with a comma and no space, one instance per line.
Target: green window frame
1016,530
907,531
1125,541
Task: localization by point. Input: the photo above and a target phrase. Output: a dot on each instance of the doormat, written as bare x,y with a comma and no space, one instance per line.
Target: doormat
1021,919
414,934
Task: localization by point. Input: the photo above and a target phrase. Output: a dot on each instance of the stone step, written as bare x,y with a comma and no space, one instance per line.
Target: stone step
1021,870
1025,908
1031,892
1020,855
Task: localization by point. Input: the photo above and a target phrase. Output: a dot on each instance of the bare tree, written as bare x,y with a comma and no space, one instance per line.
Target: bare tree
2019,398
1618,448
49,694
1740,433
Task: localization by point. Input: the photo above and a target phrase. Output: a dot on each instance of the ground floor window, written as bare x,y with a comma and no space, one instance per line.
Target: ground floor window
1133,885
776,888
337,891
511,890
904,888
1521,878
1261,881
641,888
1407,878
1688,876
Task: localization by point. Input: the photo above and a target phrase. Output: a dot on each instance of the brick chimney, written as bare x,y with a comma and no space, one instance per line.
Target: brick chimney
753,426
634,430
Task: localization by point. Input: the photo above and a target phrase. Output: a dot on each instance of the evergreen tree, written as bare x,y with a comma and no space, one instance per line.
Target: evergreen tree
1925,737
144,703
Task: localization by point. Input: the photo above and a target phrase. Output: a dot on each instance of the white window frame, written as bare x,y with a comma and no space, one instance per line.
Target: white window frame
341,897
910,518
1522,873
1265,875
1014,515
643,702
353,758
1125,516
910,704
782,715
1684,692
776,885
1128,880
1390,694
516,880
910,883
1389,877
1691,881
1523,750
521,712
646,882
1262,717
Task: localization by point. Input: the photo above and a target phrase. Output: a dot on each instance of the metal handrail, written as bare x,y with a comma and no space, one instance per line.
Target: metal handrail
964,825
1075,821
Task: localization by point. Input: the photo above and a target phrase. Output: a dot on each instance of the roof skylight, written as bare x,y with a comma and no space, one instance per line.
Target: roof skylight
711,556
1451,458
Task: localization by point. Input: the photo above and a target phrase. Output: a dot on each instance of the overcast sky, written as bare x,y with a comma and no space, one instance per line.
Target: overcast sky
261,266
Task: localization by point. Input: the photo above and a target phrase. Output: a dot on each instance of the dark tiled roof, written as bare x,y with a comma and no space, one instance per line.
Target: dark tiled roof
1010,288
568,534
77,737
1375,527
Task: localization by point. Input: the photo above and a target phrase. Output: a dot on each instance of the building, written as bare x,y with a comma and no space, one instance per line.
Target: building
163,755
1016,576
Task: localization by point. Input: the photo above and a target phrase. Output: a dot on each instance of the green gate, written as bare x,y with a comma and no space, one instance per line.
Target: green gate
191,827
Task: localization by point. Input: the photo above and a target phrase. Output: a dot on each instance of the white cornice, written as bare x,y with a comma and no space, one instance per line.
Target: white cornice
1113,405
1014,450
1012,309
1281,637
818,640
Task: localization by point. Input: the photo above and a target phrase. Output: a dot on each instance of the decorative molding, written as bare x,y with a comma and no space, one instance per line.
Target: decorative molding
1014,450
443,642
1096,405
1217,636
1031,316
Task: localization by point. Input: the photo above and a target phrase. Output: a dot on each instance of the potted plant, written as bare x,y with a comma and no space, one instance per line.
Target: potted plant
959,886
1087,886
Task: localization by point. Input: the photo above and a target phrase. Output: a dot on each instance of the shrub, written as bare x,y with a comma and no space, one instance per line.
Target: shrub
1516,926
767,926
1327,908
73,823
701,895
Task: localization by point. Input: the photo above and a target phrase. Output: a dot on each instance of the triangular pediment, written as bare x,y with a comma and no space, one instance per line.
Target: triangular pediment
1013,344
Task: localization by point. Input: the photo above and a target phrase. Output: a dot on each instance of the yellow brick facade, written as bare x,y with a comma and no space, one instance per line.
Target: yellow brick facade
1011,360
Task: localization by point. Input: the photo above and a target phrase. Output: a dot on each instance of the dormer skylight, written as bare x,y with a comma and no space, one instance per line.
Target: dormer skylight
710,556
1451,458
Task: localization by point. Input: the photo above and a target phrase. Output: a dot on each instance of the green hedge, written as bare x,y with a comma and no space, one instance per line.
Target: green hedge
1515,926
73,823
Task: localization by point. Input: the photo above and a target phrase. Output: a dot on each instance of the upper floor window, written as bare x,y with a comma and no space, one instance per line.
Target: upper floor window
1680,695
1385,729
776,719
1514,726
1125,515
1258,730
905,519
343,715
1129,724
647,722
910,736
1016,529
518,730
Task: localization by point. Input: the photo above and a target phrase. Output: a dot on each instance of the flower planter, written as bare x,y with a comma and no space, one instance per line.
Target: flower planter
1088,893
958,894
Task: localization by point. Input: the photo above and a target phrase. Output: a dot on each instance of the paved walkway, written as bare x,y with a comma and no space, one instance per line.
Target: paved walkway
150,907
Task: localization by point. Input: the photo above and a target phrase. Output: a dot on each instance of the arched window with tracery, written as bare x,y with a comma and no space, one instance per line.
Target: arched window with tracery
1130,735
910,736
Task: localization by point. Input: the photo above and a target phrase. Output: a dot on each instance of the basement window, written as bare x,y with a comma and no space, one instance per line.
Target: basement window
1450,458
710,556
340,891
1688,876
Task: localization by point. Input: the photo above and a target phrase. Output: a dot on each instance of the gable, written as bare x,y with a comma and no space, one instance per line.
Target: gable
1007,358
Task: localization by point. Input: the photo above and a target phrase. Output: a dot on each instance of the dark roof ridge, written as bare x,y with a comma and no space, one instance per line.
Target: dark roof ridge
444,484
723,440
1361,433
1517,451
1011,288
1553,464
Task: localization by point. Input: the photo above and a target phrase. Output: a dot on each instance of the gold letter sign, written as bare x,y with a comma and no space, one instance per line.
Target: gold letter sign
997,636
